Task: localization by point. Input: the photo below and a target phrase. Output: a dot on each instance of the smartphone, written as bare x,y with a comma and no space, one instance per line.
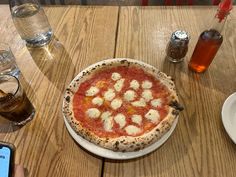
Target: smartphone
6,159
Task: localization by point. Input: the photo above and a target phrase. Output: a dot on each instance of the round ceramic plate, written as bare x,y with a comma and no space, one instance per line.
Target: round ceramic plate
117,155
98,150
229,116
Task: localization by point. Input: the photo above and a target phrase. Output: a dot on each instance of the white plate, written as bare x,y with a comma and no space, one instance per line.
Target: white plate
117,155
95,148
229,116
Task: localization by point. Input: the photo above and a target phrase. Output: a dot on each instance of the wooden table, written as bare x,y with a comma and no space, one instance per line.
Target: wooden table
199,146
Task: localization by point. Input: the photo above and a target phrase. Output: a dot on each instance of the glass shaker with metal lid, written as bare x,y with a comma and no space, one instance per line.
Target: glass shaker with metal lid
178,46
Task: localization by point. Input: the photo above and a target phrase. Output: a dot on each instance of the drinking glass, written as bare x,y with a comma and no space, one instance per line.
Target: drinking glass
31,22
14,104
7,61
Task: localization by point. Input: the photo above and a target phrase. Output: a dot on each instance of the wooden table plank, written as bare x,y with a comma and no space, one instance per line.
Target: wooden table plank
83,35
199,145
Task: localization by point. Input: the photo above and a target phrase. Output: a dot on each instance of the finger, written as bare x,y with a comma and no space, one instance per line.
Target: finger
19,171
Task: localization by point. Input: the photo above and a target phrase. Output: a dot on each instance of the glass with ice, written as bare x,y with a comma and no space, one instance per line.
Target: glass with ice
14,104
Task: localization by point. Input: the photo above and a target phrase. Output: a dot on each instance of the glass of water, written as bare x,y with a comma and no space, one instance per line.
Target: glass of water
31,22
7,61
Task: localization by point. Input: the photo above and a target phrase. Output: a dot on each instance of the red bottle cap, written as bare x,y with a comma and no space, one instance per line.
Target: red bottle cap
224,8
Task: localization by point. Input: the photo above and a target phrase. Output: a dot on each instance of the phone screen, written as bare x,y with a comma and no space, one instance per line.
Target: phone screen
5,161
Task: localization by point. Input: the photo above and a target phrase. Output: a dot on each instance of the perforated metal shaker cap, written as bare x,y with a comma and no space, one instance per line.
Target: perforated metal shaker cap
180,36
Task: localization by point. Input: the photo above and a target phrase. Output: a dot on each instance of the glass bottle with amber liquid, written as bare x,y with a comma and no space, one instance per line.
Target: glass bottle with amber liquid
210,40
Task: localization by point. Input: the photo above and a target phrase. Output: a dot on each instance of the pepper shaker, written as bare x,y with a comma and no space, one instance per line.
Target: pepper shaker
178,46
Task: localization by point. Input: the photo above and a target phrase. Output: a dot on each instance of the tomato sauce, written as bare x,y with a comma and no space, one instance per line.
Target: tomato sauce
103,81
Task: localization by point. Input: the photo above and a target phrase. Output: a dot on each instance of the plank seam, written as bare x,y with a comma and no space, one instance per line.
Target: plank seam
117,31
103,164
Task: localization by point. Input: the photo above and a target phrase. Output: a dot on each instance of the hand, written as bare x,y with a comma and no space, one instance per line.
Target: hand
19,171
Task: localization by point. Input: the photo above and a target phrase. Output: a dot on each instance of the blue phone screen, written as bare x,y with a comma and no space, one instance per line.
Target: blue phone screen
5,155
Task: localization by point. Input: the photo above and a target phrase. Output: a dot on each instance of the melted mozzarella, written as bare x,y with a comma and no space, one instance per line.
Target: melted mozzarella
115,76
146,84
120,119
129,95
109,94
107,120
105,115
97,101
134,84
119,85
152,115
116,103
137,119
147,95
92,91
139,103
156,102
132,130
108,124
93,112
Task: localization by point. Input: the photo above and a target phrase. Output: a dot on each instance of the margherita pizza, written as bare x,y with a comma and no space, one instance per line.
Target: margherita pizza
121,104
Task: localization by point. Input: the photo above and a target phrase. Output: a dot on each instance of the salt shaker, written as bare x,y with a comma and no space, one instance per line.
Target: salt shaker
178,46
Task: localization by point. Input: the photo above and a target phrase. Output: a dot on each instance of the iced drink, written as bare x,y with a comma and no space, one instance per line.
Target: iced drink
14,104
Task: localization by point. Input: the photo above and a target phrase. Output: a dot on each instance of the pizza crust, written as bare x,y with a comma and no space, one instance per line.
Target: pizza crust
122,143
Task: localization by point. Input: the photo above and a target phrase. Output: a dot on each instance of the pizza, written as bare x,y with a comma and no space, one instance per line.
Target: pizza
121,104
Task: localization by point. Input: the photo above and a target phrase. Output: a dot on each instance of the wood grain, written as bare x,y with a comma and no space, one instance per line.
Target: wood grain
199,147
82,36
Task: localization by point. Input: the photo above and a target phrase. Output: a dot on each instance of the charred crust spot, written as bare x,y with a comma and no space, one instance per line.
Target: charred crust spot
175,104
117,143
123,61
175,112
137,149
68,90
68,99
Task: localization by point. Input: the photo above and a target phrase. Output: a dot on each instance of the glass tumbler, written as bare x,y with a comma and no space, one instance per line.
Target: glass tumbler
14,104
31,22
7,61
